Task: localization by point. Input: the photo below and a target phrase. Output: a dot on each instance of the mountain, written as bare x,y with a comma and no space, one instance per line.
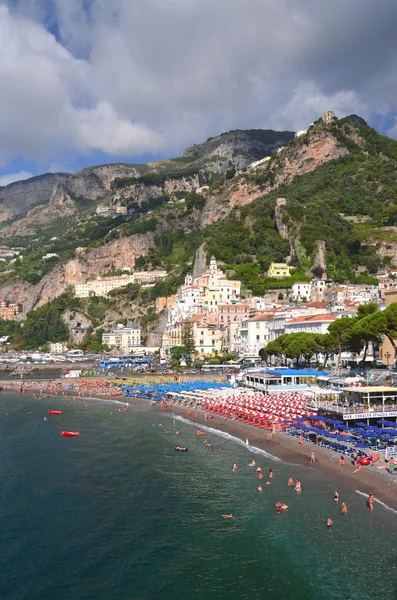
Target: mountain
92,185
20,196
325,200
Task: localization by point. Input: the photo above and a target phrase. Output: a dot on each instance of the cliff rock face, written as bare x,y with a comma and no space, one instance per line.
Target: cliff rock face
319,260
115,255
18,197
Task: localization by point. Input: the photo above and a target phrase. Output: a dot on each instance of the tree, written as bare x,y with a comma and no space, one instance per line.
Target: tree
177,352
341,334
326,345
188,339
318,271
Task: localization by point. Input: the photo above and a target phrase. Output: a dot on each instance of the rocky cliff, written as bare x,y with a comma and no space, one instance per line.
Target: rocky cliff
18,197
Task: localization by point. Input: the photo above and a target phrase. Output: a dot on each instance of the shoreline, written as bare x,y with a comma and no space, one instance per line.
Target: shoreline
283,447
287,449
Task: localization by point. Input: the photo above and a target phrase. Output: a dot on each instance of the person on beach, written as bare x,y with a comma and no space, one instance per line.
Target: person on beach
312,457
298,487
341,461
371,501
301,440
272,432
336,496
343,510
329,522
357,469
355,458
291,482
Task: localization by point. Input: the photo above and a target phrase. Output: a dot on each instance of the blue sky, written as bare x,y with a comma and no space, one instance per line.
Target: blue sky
98,81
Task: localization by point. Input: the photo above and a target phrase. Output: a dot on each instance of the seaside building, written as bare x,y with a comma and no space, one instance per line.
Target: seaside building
123,338
57,348
310,324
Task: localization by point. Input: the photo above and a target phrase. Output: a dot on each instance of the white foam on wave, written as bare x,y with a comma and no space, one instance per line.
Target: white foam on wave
378,501
231,438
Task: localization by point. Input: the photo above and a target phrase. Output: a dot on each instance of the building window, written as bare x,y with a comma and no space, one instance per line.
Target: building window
257,338
258,325
202,350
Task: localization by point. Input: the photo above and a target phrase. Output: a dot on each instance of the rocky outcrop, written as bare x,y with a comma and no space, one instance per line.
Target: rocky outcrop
94,263
18,197
319,261
200,261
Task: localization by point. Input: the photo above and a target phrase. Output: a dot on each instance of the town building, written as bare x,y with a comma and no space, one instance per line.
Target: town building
148,277
207,335
301,290
101,286
279,270
309,324
123,338
9,311
57,348
253,334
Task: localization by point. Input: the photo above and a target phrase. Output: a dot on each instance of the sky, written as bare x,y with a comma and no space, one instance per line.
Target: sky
86,82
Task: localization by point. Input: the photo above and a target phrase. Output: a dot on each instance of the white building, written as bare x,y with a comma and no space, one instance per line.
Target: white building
309,324
301,290
123,338
101,286
253,335
57,348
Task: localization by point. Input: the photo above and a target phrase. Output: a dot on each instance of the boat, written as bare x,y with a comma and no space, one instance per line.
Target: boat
70,433
54,412
370,459
180,449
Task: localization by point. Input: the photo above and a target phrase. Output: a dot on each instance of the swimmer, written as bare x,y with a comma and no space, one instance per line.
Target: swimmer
259,488
270,473
298,487
336,496
228,516
291,482
176,432
261,475
371,501
329,522
235,467
259,470
45,418
252,463
343,510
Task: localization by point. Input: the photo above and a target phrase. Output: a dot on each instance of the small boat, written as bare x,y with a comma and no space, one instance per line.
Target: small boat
54,412
369,459
180,449
70,433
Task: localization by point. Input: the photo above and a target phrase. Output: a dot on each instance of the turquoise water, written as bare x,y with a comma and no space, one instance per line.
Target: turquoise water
118,514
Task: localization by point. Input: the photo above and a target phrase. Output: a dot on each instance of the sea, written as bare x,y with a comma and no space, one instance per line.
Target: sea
117,514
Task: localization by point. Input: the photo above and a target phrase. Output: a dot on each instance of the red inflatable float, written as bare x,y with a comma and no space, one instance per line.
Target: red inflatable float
54,412
369,459
70,433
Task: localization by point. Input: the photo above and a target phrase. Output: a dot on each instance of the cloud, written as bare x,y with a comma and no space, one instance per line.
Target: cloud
127,77
7,179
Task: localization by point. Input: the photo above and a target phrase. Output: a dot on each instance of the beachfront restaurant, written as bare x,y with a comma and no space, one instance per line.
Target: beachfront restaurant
370,402
276,380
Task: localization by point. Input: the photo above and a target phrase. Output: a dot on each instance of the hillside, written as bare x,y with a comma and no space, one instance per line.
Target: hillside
326,201
196,166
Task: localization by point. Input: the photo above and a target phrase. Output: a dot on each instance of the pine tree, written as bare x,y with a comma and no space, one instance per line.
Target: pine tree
188,340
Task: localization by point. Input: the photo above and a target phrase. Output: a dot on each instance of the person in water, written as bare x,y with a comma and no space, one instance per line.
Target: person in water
336,496
259,488
371,501
270,474
291,482
298,487
228,516
235,467
343,510
329,522
252,463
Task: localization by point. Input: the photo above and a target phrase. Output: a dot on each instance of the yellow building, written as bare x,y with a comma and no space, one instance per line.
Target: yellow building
207,335
279,270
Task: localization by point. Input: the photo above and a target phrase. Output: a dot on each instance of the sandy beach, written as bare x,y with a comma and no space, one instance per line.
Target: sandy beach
285,447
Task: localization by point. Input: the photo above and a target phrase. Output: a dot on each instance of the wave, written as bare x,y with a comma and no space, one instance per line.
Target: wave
231,438
378,501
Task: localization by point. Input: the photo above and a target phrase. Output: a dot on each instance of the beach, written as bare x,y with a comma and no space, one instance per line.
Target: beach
286,448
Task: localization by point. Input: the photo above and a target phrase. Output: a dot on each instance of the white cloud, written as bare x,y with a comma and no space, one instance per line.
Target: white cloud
127,77
11,177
